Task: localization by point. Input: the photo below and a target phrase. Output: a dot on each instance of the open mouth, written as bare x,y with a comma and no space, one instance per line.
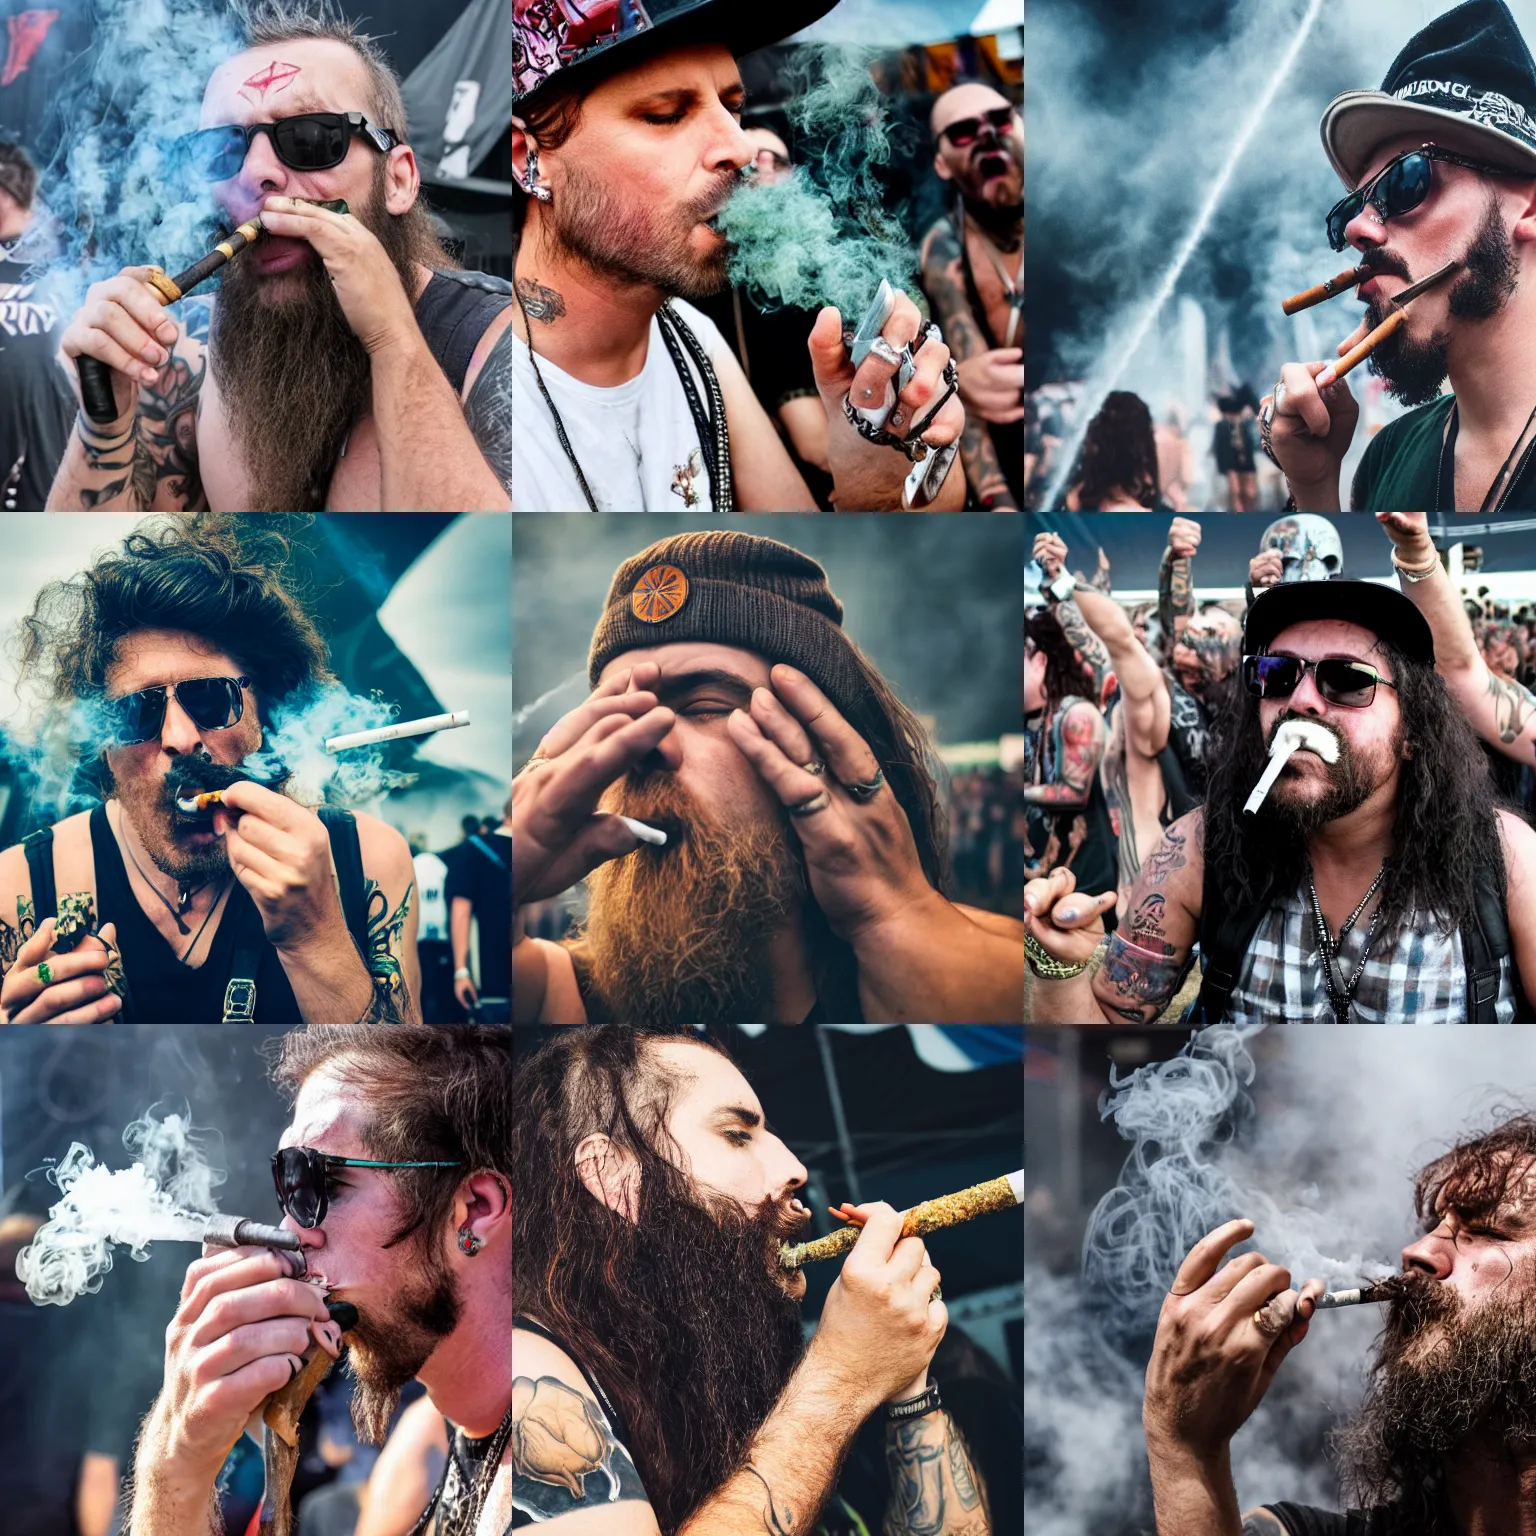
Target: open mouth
992,165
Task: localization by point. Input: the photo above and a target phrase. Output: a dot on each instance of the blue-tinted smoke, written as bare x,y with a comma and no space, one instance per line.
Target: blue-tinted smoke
299,729
823,235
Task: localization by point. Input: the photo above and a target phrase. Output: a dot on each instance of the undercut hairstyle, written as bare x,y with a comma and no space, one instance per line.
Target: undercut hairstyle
1119,452
211,575
577,1267
432,1095
1445,824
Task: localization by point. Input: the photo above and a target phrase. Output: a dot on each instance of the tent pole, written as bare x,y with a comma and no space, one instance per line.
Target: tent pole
839,1119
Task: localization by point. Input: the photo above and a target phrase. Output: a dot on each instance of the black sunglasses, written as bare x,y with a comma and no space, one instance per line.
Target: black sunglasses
1351,684
303,1185
214,704
1399,187
307,141
966,130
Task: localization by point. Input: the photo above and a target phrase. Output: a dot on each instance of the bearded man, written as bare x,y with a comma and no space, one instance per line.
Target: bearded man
660,1384
395,1175
973,274
1441,170
343,363
800,872
1441,1445
169,658
1382,886
626,146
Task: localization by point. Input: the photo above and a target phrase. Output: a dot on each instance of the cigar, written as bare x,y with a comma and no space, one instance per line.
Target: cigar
646,834
1291,737
1279,1312
237,1232
1000,1194
195,805
1324,291
1358,354
420,727
96,395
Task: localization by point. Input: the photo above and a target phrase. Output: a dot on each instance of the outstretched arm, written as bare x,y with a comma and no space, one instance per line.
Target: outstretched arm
1142,688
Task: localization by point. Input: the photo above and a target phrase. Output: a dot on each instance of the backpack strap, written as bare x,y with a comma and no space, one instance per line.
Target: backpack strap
1485,944
45,893
1226,932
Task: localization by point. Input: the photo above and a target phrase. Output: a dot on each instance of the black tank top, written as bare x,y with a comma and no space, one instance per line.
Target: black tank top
454,311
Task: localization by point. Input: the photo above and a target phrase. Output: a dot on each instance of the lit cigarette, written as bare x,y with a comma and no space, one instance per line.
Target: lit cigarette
1291,737
1279,1312
1000,1194
1324,291
197,804
645,833
396,732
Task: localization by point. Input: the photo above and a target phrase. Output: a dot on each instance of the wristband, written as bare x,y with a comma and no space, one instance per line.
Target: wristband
914,1407
463,970
1045,965
1414,572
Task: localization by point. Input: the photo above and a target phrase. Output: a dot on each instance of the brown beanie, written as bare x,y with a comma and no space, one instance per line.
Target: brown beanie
734,589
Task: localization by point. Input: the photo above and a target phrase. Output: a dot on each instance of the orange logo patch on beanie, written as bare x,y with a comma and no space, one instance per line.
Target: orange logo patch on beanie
659,594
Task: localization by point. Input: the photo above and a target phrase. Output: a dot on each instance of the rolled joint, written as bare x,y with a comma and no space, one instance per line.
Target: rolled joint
238,1232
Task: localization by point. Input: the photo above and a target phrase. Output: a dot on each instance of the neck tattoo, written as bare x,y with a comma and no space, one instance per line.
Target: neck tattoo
540,303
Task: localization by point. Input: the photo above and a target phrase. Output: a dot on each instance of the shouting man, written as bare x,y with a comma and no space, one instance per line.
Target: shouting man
1442,1443
1441,170
626,146
1384,886
973,274
343,363
791,857
168,658
660,1384
396,1174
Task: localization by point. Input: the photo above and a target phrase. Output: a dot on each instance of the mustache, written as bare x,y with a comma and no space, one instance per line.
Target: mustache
1382,263
194,773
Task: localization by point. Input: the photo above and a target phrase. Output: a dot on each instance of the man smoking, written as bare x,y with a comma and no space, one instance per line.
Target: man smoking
344,363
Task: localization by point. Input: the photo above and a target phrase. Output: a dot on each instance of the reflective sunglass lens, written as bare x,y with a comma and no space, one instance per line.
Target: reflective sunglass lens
139,716
211,701
312,143
1340,682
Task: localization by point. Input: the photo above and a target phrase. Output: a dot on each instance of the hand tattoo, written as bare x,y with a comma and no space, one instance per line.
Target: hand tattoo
543,304
559,1441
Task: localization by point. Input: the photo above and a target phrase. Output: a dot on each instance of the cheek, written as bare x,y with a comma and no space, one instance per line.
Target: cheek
717,775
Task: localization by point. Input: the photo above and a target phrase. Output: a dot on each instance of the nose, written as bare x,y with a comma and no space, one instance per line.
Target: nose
1306,699
262,175
788,1172
665,757
179,734
729,148
1366,229
1434,1254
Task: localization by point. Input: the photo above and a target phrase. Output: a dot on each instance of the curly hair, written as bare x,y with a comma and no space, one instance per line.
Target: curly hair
1445,827
1065,671
1119,453
211,575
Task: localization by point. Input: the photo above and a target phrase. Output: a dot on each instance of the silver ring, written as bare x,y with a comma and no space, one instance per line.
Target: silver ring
815,766
1267,414
868,789
882,349
1277,394
818,802
538,757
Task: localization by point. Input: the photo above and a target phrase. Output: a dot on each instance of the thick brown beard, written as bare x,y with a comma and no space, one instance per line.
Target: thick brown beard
389,1349
293,378
1476,1383
680,935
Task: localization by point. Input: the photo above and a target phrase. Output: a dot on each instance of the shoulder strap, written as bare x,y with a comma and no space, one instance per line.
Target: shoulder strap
1485,944
347,854
1226,932
454,311
45,893
708,417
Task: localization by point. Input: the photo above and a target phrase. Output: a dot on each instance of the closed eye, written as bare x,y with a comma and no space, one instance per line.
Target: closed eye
738,1138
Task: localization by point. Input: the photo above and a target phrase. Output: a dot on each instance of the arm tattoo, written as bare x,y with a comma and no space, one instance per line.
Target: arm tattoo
11,939
775,1522
945,287
960,1471
1175,591
917,1481
1513,707
1082,744
541,303
560,1445
1090,650
1135,982
488,410
167,443
1168,856
385,934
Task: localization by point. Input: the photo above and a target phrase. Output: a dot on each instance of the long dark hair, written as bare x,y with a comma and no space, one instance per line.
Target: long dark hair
1445,828
1119,452
1065,671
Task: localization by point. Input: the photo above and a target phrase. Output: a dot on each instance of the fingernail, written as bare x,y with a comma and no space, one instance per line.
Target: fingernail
1325,378
167,333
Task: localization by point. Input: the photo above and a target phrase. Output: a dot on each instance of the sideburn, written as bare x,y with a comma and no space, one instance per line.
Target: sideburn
293,378
680,935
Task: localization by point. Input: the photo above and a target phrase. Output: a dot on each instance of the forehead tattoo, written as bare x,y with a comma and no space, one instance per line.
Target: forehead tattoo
271,81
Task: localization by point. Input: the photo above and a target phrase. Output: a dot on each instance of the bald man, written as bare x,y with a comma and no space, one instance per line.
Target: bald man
973,274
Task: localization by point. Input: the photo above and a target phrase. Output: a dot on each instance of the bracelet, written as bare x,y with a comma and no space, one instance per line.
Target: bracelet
914,1407
1045,965
463,970
1414,572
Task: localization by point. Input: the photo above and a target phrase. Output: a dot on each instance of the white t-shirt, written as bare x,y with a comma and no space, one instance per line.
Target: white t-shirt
431,879
636,442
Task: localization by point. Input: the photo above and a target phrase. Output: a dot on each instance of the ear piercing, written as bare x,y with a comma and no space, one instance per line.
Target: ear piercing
531,178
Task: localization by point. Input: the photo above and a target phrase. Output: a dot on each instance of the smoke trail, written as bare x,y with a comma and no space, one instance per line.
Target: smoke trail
520,715
300,726
118,184
1120,354
823,236
165,1195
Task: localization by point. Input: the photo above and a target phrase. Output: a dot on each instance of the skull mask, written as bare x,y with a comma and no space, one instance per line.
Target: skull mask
1309,547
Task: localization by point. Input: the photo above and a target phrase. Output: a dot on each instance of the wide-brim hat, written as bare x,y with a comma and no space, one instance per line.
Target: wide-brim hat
565,42
1382,610
1466,82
